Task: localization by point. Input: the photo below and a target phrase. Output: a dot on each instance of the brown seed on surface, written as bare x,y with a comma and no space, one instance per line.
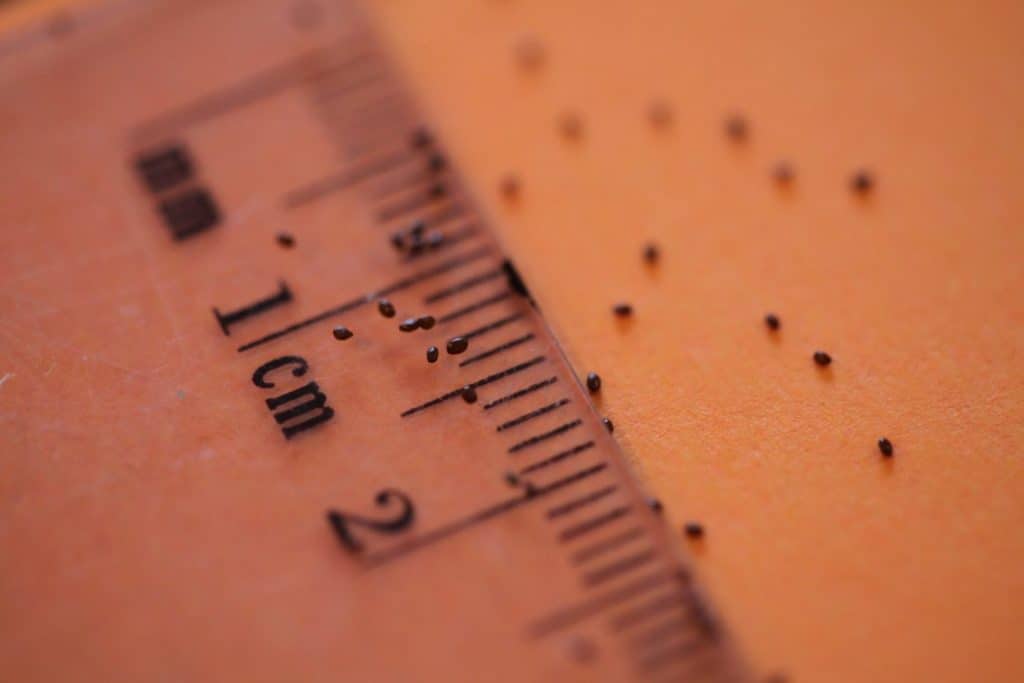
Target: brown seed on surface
655,505
421,137
622,310
511,478
426,322
772,321
652,254
341,333
529,53
608,424
783,173
457,345
693,530
659,113
398,241
593,382
570,126
822,358
285,239
386,308
432,354
417,228
437,162
736,128
885,446
862,182
468,394
509,187
409,324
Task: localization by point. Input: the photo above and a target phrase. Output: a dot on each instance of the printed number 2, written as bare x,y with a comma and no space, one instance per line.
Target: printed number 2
341,521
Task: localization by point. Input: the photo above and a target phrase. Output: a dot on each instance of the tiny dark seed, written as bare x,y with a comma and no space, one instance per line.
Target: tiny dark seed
693,529
435,239
623,310
432,354
736,128
772,321
417,228
421,138
438,190
409,324
822,358
512,479
885,446
457,345
426,322
651,253
386,308
285,240
655,505
468,394
510,187
783,173
593,382
437,162
608,424
342,333
398,241
862,182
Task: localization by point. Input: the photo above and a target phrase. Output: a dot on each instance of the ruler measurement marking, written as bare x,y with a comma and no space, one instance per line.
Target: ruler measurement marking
497,349
259,86
479,383
571,615
452,528
582,502
475,306
534,440
557,457
594,523
607,545
405,283
346,178
543,410
468,283
653,608
619,567
491,326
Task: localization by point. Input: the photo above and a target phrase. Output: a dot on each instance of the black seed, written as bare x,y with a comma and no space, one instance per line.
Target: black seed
570,126
398,241
655,505
511,479
783,173
510,187
885,446
468,394
342,333
438,190
822,358
862,182
432,353
436,163
435,239
421,138
693,530
417,228
593,382
622,309
285,240
660,114
386,308
736,128
651,253
608,424
772,321
426,322
457,345
409,324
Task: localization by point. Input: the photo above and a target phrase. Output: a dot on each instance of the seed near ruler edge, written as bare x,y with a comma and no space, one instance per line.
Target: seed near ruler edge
413,234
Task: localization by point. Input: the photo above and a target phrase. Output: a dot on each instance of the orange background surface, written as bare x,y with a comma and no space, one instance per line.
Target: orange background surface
828,563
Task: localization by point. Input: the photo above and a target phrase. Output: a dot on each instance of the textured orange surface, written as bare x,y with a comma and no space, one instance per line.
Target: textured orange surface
827,562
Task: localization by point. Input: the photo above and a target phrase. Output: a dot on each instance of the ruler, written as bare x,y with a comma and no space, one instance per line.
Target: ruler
317,425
